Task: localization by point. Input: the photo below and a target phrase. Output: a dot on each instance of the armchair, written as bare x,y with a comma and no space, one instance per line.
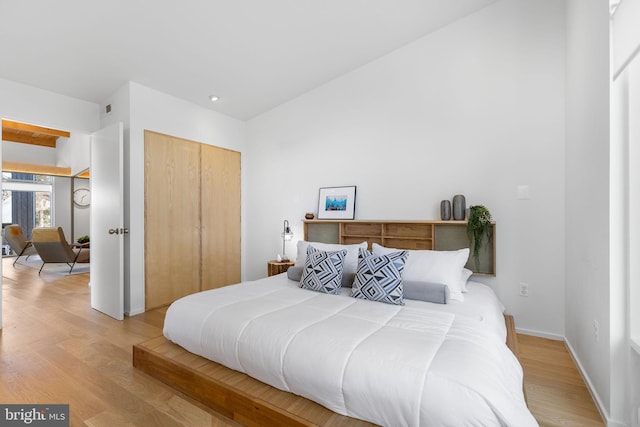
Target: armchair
53,247
14,237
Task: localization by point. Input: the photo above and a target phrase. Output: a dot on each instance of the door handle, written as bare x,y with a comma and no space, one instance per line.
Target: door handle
118,231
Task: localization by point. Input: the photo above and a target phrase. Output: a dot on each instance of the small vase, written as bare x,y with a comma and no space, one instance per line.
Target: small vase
445,210
459,207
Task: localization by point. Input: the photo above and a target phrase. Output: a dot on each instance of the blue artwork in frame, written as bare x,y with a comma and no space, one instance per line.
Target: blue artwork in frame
337,202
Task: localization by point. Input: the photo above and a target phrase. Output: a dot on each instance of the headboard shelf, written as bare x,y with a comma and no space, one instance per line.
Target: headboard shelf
416,235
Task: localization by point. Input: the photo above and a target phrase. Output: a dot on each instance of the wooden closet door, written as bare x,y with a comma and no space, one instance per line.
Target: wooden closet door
172,218
220,217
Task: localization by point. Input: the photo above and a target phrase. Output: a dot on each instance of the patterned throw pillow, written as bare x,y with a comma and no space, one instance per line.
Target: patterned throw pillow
323,271
379,277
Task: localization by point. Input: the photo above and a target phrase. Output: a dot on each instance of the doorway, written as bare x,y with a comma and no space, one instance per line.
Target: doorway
27,200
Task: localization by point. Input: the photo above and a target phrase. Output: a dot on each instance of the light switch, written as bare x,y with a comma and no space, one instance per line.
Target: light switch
523,192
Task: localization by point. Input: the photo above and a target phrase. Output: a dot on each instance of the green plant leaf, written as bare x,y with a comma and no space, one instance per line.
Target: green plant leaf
479,225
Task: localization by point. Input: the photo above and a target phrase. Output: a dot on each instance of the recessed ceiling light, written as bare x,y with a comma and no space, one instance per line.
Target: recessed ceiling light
213,98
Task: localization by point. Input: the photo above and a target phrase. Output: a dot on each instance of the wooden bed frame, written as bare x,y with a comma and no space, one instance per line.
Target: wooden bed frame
253,403
238,396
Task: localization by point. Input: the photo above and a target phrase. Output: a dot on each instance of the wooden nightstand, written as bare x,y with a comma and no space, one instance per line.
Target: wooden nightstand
277,267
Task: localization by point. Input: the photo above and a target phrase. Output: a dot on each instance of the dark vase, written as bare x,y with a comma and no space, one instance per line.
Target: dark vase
445,210
459,207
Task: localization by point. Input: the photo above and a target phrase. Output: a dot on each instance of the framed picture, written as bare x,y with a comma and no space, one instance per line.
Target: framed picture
337,202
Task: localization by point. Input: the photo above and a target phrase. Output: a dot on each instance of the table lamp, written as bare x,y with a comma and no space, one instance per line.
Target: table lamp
286,234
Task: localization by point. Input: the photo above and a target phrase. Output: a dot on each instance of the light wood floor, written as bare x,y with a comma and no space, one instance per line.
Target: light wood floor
556,392
55,349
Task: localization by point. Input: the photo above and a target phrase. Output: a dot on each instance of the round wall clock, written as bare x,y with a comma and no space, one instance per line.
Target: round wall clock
82,197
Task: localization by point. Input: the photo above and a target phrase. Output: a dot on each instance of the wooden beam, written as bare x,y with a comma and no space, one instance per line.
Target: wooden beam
31,134
8,124
29,138
35,169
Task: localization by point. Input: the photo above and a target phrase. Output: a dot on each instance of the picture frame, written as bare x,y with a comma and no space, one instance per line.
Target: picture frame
337,202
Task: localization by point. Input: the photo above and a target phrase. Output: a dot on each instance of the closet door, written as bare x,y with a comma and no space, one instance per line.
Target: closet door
172,218
220,201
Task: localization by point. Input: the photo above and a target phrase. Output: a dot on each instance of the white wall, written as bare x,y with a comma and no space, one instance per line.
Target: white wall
25,153
43,108
587,195
62,205
152,110
28,104
74,152
81,214
36,106
476,108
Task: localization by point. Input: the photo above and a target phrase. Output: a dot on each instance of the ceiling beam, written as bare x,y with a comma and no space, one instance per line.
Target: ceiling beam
35,169
31,134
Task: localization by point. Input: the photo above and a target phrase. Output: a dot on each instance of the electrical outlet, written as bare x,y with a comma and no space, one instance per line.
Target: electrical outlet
524,289
596,329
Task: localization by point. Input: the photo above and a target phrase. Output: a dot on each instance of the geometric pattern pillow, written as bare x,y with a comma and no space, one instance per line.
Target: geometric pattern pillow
322,271
379,277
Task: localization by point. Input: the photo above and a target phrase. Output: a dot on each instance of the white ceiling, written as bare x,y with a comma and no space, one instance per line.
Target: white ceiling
253,54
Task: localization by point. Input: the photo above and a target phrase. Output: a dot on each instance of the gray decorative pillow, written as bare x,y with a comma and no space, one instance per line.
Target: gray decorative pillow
379,277
295,273
425,291
322,271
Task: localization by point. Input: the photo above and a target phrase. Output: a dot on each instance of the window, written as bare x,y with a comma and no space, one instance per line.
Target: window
26,200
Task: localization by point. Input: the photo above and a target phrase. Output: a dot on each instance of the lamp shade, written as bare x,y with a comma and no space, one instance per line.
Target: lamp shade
286,234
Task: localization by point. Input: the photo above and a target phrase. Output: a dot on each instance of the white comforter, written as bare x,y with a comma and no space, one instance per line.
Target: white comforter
412,365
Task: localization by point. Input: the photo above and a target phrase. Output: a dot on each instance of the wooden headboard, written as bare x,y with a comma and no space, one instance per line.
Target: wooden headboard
434,235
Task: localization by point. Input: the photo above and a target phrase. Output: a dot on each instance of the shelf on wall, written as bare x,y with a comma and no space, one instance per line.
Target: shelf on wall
416,235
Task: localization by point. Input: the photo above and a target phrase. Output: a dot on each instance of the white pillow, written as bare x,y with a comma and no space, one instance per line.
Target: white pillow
443,267
466,273
350,261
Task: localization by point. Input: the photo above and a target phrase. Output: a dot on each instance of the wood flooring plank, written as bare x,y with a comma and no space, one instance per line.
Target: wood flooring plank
55,349
556,392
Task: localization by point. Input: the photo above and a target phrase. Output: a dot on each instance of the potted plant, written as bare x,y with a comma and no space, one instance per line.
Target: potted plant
479,225
83,239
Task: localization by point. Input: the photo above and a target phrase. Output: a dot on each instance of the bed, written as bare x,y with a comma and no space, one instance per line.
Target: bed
416,364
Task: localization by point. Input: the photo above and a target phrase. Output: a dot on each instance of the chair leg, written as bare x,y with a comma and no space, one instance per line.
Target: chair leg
74,261
18,257
41,267
20,254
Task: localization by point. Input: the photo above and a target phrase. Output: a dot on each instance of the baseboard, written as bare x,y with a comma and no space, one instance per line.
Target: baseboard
540,334
594,395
